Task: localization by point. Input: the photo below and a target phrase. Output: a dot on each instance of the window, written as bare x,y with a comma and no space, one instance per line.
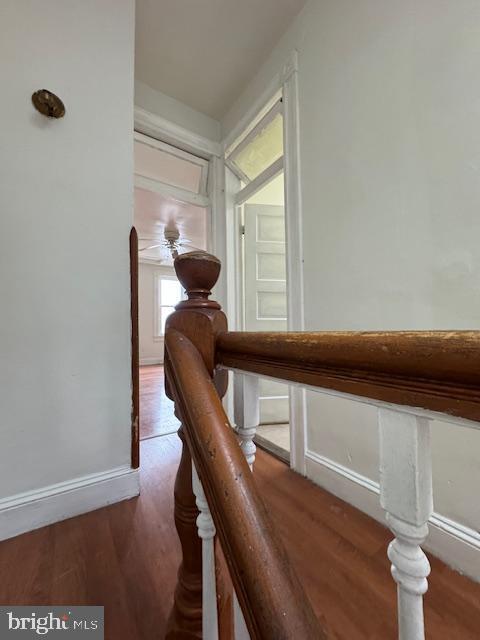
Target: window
168,292
260,149
258,155
160,162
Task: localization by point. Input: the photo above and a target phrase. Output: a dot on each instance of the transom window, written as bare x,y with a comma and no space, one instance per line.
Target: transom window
160,163
252,157
260,149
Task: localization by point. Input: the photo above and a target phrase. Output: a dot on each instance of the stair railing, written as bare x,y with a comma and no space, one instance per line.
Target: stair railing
217,492
412,377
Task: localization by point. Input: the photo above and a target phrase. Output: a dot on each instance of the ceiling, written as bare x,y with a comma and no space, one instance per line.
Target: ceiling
204,52
154,212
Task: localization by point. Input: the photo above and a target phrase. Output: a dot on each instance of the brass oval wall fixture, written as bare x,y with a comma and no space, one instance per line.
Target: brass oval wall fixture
48,104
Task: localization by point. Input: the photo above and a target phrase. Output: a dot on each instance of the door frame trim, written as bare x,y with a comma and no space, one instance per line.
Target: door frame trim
158,127
135,355
294,250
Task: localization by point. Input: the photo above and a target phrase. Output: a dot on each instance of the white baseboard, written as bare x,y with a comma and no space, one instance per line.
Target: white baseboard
457,545
27,511
147,361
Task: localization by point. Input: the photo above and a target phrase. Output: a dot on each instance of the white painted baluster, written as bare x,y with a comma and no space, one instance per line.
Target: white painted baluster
246,413
206,531
406,496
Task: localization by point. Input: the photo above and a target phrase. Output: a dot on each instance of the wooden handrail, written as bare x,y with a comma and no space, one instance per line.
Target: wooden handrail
433,370
271,596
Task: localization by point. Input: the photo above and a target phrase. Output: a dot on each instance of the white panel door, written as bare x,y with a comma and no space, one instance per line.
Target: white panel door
266,293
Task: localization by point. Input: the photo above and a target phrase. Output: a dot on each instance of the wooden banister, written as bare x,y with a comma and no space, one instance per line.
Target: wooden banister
434,370
200,320
272,599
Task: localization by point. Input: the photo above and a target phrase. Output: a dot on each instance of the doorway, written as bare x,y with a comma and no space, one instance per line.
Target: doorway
171,216
257,161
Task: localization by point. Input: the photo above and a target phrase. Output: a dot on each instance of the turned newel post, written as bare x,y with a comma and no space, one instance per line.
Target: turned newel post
200,320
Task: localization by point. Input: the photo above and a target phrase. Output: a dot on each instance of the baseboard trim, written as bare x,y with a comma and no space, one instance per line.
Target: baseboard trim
147,361
457,545
34,509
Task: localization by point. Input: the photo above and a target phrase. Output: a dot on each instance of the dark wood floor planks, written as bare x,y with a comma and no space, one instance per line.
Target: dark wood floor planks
126,556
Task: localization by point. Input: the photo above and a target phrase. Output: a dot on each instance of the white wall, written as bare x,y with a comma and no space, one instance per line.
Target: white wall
389,144
66,202
151,348
175,111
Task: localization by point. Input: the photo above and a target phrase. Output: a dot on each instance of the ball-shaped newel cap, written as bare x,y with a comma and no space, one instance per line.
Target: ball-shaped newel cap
198,272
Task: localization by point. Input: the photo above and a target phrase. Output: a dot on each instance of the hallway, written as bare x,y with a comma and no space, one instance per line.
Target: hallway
156,410
300,179
125,557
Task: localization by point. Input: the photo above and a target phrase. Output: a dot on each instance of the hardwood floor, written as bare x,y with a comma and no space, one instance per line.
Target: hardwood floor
125,557
156,410
341,556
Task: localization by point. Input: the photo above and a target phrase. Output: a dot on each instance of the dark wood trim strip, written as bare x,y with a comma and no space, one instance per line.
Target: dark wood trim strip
271,596
135,452
433,370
